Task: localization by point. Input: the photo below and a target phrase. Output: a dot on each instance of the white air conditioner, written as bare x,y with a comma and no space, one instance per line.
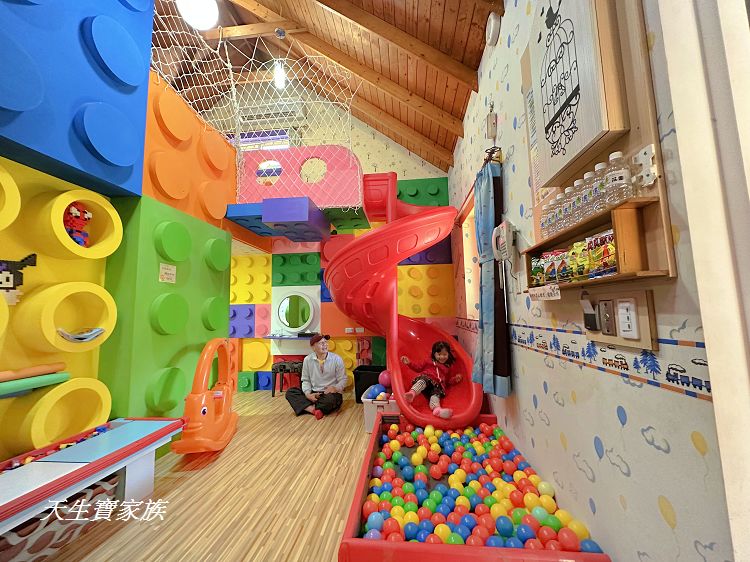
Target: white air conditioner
275,115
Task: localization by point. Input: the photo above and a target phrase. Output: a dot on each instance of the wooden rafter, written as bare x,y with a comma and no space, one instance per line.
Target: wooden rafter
420,105
408,43
252,30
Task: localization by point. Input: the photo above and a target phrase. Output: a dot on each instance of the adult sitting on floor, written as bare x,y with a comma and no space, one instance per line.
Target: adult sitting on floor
323,381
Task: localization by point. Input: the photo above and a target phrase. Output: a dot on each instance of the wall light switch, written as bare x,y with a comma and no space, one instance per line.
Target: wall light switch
627,319
607,317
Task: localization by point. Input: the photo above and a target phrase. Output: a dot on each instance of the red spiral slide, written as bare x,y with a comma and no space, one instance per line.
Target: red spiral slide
362,280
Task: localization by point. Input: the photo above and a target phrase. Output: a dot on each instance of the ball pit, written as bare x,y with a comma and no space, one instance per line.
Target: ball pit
468,487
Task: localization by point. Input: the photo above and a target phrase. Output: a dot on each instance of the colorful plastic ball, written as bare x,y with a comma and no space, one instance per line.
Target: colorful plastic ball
552,522
495,541
513,542
373,535
587,545
396,457
548,503
416,459
524,532
454,538
507,477
579,529
475,500
398,501
385,513
386,496
421,495
463,531
427,525
391,526
424,512
468,521
444,510
504,526
564,516
422,535
430,504
410,531
539,513
546,534
442,531
497,510
433,539
375,521
377,472
421,476
533,544
385,505
368,508
518,514
553,545
545,488
435,472
411,517
407,473
475,540
411,506
397,511
569,540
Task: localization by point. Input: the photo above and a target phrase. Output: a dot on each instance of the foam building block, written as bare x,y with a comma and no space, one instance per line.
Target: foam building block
262,320
378,350
339,187
246,381
430,191
265,380
250,280
426,290
241,320
187,163
250,217
176,267
333,245
347,349
280,245
295,270
336,323
63,290
439,253
256,355
75,84
280,307
296,218
325,294
344,220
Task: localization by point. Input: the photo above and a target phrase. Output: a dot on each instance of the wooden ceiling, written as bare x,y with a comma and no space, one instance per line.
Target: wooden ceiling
415,61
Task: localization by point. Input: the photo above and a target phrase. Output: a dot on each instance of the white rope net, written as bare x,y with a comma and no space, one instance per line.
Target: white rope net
260,99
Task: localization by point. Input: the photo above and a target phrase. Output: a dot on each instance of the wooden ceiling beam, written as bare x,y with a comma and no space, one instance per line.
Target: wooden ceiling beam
252,30
395,36
420,105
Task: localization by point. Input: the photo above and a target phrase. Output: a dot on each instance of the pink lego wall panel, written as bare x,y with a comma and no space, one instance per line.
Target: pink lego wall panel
340,187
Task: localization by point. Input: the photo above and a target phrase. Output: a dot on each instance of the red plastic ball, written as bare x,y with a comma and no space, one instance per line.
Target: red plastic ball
398,482
386,478
390,525
424,513
443,465
487,521
389,472
409,441
482,531
553,545
531,490
411,498
454,518
461,510
384,505
445,458
534,544
569,540
476,467
509,467
484,428
397,492
433,457
420,476
481,509
437,519
395,537
409,427
495,453
455,457
387,452
529,471
516,498
494,475
484,479
495,463
532,522
546,534
378,462
519,459
460,449
368,508
474,540
435,472
401,439
392,433
432,538
524,483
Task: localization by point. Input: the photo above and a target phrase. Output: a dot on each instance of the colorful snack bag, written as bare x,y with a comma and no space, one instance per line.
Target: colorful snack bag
550,269
537,271
563,266
579,261
602,254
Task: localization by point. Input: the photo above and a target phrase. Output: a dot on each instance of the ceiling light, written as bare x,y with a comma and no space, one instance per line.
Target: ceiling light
279,75
199,14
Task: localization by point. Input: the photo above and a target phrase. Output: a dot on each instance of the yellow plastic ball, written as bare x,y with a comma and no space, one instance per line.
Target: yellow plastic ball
578,528
443,531
432,440
475,485
429,431
411,517
531,501
422,451
395,445
438,433
498,495
458,486
548,503
397,511
507,504
478,447
394,427
467,431
509,489
535,480
564,516
545,488
518,474
497,510
374,498
455,435
499,483
417,459
375,482
460,474
435,448
463,500
400,521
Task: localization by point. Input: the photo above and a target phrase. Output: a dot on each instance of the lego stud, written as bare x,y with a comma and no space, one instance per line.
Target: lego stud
213,197
166,390
168,175
214,151
137,5
173,115
255,354
23,89
94,123
217,254
172,241
115,51
10,199
169,314
214,313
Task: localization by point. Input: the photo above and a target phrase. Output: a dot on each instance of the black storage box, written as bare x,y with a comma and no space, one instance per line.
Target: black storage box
364,377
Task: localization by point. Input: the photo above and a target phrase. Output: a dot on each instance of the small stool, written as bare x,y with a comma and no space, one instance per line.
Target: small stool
281,382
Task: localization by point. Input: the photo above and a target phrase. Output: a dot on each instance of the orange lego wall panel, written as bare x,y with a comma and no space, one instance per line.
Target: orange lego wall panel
335,322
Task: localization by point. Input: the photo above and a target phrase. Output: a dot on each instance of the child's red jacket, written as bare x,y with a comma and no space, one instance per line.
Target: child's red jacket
438,372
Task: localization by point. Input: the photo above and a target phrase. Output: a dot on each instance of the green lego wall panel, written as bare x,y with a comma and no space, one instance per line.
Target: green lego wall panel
431,191
295,269
170,279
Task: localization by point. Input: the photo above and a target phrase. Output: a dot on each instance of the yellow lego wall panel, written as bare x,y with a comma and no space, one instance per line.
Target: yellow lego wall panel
426,291
250,281
256,355
347,349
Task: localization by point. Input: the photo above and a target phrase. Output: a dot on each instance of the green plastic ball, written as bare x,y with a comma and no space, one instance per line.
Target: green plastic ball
397,501
430,504
410,506
489,501
408,488
396,457
421,468
518,514
454,538
436,496
552,521
386,496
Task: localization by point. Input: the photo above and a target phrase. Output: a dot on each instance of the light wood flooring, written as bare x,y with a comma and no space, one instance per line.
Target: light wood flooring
280,491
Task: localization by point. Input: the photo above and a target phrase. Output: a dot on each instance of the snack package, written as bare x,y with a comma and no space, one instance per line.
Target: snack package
537,271
603,257
550,270
578,257
563,266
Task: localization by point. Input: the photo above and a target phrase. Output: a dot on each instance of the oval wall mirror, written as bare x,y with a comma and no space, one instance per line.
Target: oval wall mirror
295,312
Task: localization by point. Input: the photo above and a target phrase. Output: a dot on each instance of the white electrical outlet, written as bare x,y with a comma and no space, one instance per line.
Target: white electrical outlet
627,319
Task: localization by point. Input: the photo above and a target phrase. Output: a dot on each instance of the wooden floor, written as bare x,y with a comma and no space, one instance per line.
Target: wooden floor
280,491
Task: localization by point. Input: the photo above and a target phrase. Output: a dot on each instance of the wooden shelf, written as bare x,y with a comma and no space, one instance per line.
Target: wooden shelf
592,223
616,278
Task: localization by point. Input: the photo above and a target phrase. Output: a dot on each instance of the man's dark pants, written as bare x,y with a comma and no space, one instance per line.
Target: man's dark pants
327,403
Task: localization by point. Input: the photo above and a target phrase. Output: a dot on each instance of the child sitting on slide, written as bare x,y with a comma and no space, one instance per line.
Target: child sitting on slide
434,376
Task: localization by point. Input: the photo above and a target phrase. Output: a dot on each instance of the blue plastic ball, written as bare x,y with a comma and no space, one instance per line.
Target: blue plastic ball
464,531
525,532
404,462
451,526
442,488
373,535
422,495
377,490
587,545
422,535
471,478
426,525
522,465
444,509
504,526
490,487
450,502
513,542
507,477
452,467
475,500
384,514
420,485
468,521
384,439
410,531
407,473
387,487
375,521
454,493
495,541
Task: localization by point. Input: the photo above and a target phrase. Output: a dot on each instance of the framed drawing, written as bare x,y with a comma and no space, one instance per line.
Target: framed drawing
576,77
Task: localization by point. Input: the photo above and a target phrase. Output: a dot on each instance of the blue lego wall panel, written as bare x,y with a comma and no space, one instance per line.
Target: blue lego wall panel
74,89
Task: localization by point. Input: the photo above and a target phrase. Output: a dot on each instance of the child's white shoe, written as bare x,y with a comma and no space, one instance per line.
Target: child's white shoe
410,396
444,413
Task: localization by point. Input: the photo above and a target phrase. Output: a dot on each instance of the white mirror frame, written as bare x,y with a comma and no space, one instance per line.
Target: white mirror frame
309,319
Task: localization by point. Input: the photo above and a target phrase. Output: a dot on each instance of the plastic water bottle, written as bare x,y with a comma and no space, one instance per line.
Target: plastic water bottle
544,221
599,192
569,209
587,197
578,201
559,223
619,180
